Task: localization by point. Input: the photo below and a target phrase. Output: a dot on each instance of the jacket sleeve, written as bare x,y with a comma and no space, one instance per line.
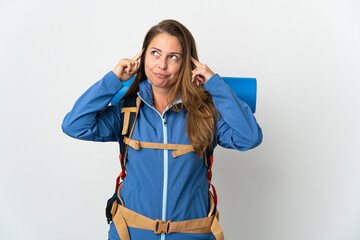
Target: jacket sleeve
91,117
237,127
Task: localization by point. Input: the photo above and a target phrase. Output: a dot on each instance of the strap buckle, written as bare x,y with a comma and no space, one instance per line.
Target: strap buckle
162,226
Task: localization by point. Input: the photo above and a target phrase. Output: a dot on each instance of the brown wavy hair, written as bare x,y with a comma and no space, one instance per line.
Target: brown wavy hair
202,114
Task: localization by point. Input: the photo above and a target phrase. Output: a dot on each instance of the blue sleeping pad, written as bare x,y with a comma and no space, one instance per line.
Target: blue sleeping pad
244,88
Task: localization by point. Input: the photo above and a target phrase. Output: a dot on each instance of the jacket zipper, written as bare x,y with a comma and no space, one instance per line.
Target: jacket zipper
166,168
166,164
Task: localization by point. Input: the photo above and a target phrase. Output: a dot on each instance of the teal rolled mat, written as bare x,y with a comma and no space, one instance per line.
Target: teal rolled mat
244,88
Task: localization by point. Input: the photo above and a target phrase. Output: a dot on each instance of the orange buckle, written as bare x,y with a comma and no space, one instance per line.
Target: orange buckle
162,226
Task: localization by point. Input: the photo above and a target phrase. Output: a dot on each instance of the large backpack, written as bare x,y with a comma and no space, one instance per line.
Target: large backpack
129,113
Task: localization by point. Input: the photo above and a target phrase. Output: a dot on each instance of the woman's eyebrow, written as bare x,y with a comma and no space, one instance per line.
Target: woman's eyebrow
169,53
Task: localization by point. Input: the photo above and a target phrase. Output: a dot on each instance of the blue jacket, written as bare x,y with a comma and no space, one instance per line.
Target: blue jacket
158,185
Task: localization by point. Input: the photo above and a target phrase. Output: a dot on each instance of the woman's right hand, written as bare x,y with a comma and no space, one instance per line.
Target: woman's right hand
127,68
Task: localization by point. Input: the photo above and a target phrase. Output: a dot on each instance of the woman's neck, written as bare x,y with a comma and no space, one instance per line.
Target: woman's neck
161,97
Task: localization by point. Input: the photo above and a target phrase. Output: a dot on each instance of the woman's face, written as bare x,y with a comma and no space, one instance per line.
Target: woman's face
163,61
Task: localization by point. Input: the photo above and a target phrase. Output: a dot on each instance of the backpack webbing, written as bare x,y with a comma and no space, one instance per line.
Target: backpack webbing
128,118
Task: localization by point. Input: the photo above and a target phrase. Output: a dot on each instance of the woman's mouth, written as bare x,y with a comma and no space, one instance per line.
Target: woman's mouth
160,75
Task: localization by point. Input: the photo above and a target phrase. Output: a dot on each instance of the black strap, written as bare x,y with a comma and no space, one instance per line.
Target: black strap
128,102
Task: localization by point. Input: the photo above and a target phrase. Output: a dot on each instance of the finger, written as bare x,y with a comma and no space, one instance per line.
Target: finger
128,67
194,76
196,62
199,78
135,68
124,66
133,64
196,73
138,56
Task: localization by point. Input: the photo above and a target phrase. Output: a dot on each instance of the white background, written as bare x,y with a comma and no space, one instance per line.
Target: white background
301,183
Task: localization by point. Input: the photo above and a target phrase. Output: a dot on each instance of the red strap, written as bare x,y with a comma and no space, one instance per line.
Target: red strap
209,177
117,181
211,163
122,175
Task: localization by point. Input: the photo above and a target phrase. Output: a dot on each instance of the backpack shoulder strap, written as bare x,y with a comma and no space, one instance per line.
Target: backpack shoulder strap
129,113
128,116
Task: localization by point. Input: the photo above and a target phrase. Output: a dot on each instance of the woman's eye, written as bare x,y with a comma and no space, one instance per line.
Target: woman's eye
174,57
155,53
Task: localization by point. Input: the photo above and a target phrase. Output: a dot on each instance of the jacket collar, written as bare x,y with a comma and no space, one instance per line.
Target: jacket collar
146,94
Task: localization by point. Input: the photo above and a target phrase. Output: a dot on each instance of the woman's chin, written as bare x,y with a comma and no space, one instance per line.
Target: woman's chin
156,82
159,85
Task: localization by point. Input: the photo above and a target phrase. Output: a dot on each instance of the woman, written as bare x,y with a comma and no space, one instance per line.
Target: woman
182,102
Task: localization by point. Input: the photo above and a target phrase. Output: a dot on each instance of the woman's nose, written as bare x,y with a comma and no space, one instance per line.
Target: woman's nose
162,63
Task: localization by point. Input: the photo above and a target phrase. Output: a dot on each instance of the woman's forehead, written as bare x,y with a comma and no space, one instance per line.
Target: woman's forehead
166,43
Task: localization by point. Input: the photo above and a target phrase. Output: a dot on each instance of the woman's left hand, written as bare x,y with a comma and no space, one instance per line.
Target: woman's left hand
201,73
